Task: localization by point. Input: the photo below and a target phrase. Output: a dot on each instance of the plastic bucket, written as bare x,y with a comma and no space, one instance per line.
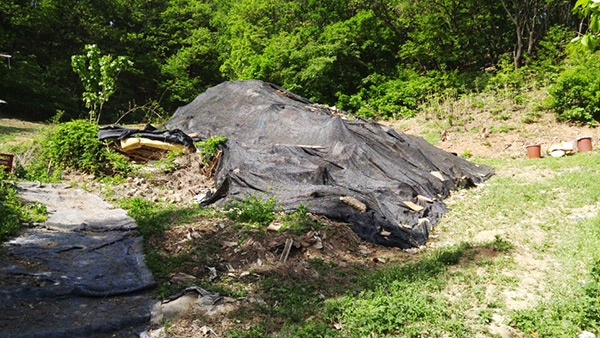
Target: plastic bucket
584,144
534,151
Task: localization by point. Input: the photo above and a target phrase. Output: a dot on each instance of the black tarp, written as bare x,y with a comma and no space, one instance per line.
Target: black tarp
149,132
282,145
81,273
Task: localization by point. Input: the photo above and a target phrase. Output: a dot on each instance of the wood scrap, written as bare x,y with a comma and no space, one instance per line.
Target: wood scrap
353,202
286,250
413,206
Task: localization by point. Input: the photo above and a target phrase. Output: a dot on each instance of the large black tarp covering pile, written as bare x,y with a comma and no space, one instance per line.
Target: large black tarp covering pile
282,145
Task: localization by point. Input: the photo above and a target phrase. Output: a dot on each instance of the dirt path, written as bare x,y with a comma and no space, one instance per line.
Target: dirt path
80,274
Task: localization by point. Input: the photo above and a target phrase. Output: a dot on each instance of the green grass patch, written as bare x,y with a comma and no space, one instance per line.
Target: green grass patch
398,300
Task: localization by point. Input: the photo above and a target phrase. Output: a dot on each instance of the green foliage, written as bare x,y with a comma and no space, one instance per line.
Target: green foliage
191,47
11,208
327,51
74,145
383,97
168,163
150,217
508,80
210,147
591,10
551,53
568,315
500,244
98,74
575,95
403,94
252,209
14,212
299,221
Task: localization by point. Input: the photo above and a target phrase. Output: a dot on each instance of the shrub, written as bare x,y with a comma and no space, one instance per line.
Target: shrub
575,97
74,145
10,208
13,212
384,97
299,221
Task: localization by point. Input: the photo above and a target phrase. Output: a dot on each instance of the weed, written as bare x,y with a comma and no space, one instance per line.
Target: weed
499,244
35,212
402,300
252,209
14,212
502,129
73,145
167,163
531,117
210,147
299,221
154,218
10,208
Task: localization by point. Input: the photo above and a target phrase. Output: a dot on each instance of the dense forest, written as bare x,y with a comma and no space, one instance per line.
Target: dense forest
377,58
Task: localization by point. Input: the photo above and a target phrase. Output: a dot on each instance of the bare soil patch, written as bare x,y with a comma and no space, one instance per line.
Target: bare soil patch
480,135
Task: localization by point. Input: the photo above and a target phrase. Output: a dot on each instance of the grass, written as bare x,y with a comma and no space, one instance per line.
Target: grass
550,208
16,135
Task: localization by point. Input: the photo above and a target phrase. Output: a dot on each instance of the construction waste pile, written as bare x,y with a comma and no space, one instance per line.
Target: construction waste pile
388,185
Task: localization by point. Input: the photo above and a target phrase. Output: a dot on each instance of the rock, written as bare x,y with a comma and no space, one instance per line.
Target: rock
178,307
181,278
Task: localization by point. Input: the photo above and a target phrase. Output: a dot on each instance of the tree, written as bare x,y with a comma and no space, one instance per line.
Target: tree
531,20
98,74
589,9
191,53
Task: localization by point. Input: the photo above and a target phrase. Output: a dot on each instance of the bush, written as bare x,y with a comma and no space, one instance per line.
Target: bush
401,96
209,148
299,221
13,212
74,145
575,97
389,98
10,208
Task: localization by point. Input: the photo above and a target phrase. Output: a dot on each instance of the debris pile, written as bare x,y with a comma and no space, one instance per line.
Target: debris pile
387,184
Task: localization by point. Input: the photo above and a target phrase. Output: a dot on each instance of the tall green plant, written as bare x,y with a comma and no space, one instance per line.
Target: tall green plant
98,74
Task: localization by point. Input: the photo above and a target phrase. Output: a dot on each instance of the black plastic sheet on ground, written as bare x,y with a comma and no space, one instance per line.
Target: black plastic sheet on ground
282,145
82,273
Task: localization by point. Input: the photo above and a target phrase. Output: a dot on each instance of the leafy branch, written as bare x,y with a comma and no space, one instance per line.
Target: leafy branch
591,9
98,74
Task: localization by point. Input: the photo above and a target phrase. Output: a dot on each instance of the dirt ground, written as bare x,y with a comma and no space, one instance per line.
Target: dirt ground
477,137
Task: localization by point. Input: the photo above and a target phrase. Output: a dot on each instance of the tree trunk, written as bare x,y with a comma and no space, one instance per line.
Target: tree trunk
519,48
